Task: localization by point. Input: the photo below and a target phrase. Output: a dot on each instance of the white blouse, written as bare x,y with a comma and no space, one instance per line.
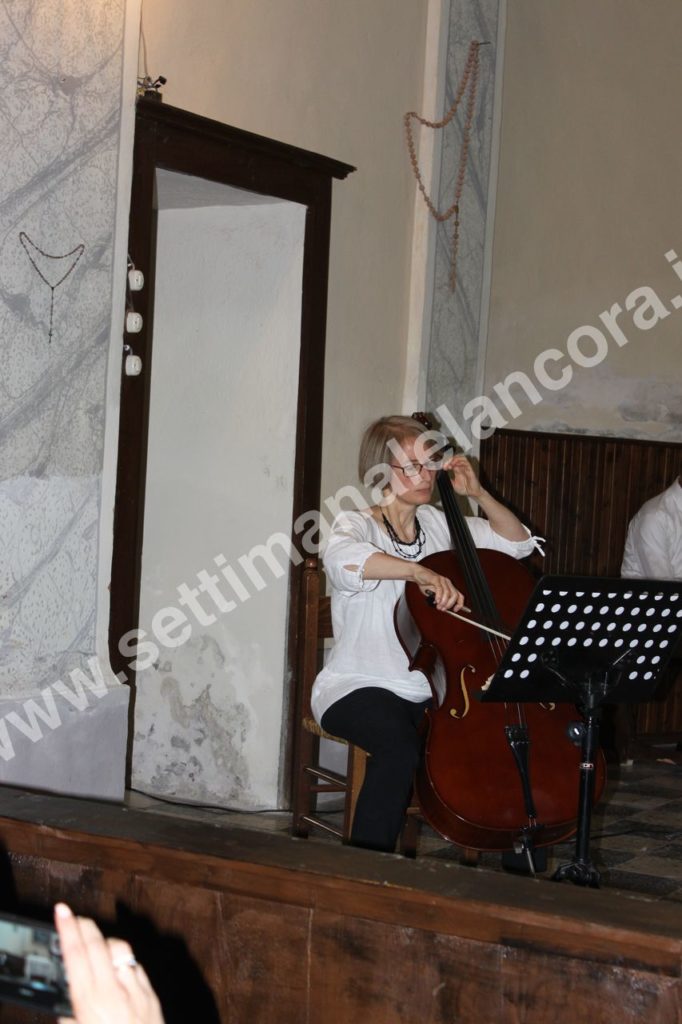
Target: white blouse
367,651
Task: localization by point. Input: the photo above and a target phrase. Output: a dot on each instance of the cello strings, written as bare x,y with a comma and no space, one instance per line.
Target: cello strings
482,598
463,543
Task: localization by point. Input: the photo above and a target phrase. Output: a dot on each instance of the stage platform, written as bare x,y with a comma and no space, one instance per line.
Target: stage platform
239,925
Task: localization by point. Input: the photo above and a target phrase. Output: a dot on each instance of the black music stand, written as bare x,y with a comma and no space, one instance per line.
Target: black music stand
589,640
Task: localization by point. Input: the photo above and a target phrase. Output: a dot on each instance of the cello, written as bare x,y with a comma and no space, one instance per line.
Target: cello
493,776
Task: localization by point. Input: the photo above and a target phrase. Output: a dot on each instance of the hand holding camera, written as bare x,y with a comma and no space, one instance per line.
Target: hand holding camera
106,983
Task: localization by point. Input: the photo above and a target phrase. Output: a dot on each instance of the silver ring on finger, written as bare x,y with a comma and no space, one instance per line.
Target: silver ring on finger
124,961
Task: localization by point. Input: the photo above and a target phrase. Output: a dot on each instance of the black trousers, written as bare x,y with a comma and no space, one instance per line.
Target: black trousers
387,727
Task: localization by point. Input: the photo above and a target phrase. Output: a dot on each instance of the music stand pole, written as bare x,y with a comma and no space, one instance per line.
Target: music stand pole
581,870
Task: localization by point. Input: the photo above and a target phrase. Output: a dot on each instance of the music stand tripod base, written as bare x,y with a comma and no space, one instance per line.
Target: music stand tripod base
589,640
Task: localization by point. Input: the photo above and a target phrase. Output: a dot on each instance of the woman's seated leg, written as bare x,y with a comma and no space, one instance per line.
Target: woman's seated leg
387,727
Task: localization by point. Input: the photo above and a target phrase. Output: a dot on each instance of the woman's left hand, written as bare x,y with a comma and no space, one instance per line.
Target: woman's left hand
464,479
106,984
501,519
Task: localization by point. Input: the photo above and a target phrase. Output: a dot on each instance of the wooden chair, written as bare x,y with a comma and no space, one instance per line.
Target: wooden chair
310,777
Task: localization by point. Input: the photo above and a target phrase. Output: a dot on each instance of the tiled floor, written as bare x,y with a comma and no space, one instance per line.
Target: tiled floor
636,835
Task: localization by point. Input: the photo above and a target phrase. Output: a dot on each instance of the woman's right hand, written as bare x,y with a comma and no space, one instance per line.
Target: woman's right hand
445,594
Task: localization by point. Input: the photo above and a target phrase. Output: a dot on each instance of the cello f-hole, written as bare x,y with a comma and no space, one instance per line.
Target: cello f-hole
454,713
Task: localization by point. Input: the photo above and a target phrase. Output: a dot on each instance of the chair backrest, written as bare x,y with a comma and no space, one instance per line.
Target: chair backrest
313,776
316,628
324,622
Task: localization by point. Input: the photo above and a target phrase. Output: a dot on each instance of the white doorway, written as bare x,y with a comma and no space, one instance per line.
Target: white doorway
210,705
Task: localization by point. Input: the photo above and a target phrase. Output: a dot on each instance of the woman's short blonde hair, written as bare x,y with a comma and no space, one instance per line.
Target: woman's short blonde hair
375,452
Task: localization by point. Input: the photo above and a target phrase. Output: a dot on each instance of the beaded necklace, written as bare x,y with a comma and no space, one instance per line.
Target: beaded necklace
399,545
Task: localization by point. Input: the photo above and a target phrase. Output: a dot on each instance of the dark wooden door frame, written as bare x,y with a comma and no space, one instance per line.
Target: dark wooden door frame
175,140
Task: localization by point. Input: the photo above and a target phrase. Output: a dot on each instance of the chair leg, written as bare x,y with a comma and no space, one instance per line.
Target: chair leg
355,776
305,799
409,836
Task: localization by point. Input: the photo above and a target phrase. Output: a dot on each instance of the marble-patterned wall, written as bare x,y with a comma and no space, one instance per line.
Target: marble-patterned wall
61,85
454,366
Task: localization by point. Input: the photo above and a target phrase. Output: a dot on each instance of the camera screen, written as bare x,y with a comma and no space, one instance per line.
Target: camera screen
31,967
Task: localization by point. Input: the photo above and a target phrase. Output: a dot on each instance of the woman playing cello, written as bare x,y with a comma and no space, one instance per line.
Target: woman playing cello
366,693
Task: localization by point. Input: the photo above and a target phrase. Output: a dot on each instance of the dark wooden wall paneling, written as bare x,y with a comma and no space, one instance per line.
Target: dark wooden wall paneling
579,492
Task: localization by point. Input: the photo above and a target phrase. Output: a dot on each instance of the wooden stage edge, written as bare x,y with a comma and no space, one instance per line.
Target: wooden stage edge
270,928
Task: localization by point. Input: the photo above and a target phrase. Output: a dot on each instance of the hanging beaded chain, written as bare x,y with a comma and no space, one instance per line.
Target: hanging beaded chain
78,252
470,79
399,545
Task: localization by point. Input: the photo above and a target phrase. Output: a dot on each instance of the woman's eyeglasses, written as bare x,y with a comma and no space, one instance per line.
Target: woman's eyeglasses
432,465
415,468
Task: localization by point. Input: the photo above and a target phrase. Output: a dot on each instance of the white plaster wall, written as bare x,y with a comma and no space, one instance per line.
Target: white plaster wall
336,78
227,320
587,206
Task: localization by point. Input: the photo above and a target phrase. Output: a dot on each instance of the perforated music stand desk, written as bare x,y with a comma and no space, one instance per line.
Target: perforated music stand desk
589,640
